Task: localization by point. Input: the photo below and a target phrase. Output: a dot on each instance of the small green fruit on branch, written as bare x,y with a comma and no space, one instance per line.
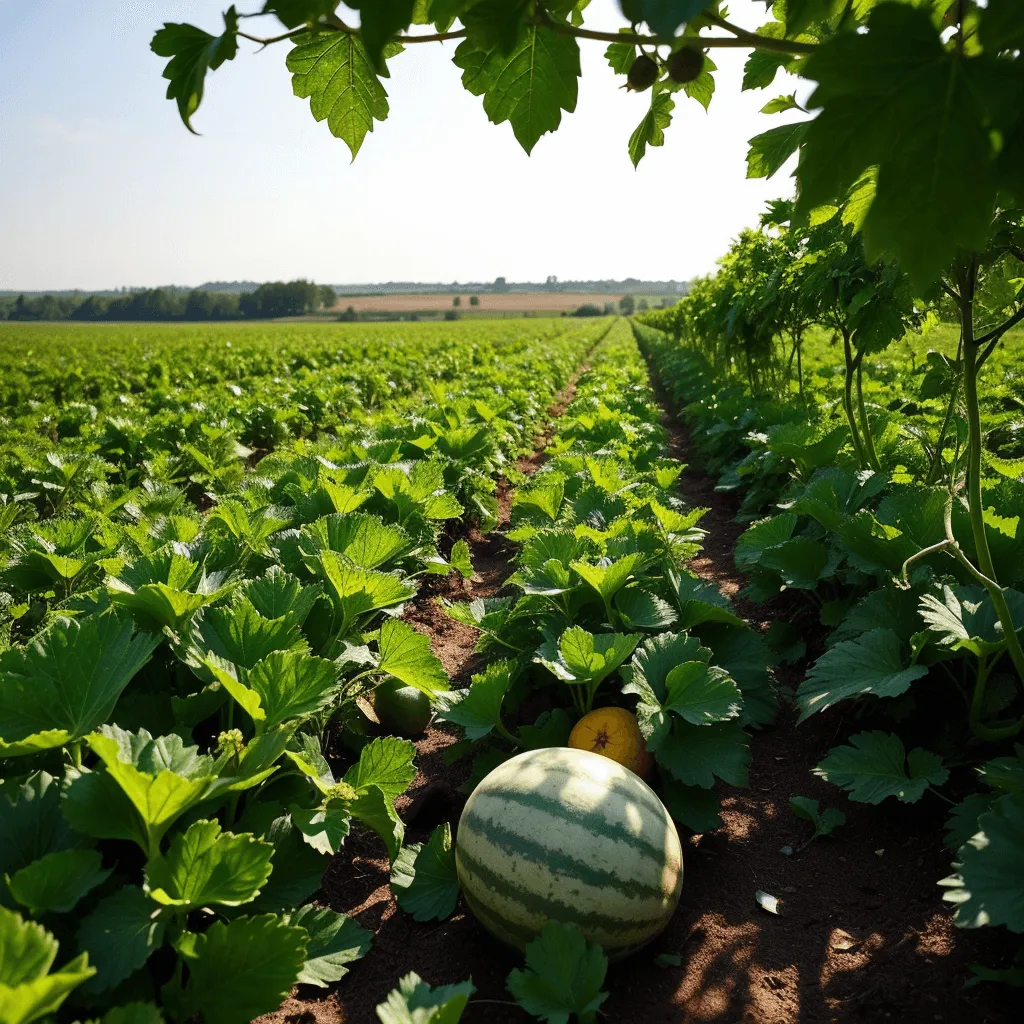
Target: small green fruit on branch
643,74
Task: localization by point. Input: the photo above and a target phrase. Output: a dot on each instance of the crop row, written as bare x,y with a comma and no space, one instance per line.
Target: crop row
883,565
181,656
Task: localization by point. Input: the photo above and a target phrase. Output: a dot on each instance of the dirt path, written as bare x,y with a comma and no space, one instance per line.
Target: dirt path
862,935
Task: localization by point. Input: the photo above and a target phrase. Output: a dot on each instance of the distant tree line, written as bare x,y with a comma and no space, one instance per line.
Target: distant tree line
273,299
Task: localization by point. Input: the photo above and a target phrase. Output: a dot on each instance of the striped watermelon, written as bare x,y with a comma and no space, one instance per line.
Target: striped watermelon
568,835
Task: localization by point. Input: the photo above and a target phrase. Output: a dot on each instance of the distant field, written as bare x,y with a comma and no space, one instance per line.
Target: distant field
512,302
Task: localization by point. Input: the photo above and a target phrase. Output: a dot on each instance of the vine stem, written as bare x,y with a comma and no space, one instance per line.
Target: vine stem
740,38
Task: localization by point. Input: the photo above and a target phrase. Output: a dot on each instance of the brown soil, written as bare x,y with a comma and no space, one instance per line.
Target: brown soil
862,934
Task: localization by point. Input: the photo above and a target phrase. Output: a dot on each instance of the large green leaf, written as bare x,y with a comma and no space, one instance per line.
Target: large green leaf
424,879
379,21
415,1002
365,540
386,763
478,709
651,130
405,653
697,754
376,808
28,991
120,934
31,824
193,52
67,681
701,694
895,97
873,663
205,865
243,968
587,658
240,634
56,882
608,579
529,87
987,889
334,71
771,149
875,766
356,591
563,976
964,618
335,940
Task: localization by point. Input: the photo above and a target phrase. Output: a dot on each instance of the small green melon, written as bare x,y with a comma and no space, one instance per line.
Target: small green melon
402,709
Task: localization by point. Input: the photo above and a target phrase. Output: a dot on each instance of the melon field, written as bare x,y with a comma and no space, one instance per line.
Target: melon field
276,600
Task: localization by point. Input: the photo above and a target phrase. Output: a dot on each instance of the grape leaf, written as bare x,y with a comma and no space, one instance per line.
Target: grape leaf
771,149
193,52
875,766
651,130
563,976
529,87
334,71
378,22
896,97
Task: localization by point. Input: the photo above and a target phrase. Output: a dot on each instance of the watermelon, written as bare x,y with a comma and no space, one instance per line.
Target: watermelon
567,835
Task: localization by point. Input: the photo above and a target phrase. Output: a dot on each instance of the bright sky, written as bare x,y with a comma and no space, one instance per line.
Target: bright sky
101,185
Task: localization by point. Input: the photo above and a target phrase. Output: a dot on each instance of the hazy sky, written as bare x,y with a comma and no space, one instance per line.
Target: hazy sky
101,185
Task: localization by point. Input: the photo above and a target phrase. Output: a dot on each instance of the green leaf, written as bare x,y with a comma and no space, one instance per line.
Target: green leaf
764,534
378,22
243,968
588,658
240,634
133,1013
424,879
120,934
28,991
896,97
405,653
875,766
801,14
825,822
386,763
801,563
697,754
292,685
620,57
334,71
323,828
563,976
193,52
962,822
771,149
495,23
292,13
205,865
67,681
964,618
159,796
478,709
355,591
365,540
278,595
31,823
415,1002
701,693
1001,26
651,130
700,601
648,679
376,808
335,940
698,809
761,68
56,882
640,609
529,87
460,559
665,16
779,105
873,663
987,890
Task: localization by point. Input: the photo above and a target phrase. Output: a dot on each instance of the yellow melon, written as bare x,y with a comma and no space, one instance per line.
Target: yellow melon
613,733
